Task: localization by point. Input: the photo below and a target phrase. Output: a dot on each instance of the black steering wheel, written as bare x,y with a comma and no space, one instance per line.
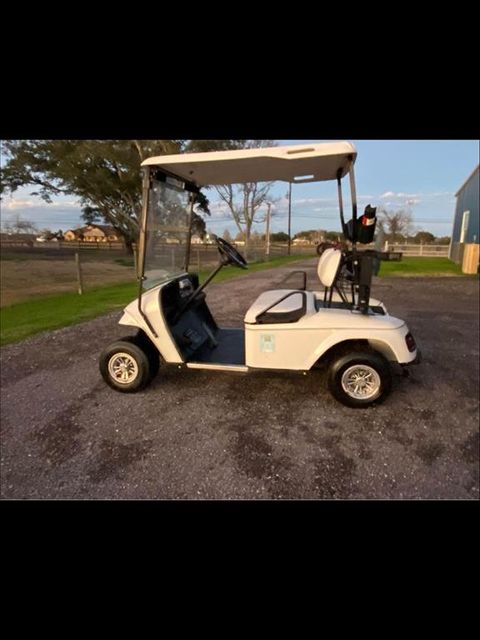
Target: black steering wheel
231,253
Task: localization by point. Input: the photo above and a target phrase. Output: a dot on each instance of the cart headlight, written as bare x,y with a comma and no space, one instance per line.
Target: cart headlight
409,339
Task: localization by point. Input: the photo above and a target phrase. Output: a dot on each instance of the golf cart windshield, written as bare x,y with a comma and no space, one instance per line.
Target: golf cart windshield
166,234
170,181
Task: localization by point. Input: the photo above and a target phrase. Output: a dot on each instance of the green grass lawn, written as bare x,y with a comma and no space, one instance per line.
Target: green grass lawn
420,267
18,321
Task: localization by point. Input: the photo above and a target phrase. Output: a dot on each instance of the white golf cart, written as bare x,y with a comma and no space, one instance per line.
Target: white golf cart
339,325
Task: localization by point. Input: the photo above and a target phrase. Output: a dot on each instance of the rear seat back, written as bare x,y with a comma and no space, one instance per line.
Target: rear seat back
328,266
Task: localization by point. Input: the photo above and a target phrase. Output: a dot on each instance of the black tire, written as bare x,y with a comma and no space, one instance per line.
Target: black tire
134,359
142,341
350,364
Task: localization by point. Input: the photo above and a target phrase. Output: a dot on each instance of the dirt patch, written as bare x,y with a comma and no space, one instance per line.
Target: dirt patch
22,280
113,458
333,476
59,439
430,451
256,458
470,448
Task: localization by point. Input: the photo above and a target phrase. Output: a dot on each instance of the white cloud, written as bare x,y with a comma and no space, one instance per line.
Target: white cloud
218,208
14,203
37,204
400,195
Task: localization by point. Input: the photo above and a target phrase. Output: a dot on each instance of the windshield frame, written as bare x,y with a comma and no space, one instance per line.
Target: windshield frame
170,181
151,173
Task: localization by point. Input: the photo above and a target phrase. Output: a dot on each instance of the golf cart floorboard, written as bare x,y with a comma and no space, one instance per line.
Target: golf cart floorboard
230,349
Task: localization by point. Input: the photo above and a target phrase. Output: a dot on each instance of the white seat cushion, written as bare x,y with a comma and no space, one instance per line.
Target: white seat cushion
328,265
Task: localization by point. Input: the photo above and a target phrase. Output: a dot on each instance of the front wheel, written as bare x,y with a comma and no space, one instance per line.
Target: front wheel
360,379
125,367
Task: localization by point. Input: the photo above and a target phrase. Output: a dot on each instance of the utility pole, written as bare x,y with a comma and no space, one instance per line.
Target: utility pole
289,216
267,233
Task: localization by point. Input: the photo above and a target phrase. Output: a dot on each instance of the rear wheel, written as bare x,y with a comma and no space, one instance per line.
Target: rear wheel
360,379
125,366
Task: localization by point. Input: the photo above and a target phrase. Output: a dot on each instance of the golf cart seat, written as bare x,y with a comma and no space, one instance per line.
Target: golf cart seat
328,271
280,306
328,266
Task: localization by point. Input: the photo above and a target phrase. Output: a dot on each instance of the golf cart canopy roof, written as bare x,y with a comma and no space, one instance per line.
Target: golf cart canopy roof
292,163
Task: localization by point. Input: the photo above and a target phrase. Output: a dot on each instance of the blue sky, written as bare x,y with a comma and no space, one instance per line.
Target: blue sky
421,174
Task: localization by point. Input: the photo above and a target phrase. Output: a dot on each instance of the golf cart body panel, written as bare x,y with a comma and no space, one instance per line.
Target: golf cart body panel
160,336
292,345
299,344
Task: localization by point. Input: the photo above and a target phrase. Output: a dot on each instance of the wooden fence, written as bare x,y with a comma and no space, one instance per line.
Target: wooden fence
420,250
205,255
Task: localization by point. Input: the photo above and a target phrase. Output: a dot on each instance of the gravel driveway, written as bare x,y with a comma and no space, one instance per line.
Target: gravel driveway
195,434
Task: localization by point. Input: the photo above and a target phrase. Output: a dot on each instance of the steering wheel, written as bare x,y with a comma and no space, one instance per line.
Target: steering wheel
231,253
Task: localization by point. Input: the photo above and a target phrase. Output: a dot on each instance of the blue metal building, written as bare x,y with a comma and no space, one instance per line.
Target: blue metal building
466,224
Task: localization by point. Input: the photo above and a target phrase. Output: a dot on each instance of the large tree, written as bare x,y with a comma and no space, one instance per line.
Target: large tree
424,237
395,223
104,175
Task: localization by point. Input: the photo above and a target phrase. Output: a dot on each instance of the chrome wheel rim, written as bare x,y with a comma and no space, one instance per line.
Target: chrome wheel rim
361,382
123,368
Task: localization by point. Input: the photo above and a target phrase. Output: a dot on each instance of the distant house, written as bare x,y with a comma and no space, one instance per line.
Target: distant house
301,241
73,234
100,233
466,221
196,239
94,233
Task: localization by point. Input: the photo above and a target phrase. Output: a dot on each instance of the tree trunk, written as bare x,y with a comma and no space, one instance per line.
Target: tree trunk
129,242
247,240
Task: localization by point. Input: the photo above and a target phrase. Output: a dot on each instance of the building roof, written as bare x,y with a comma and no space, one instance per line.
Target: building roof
107,229
293,163
468,179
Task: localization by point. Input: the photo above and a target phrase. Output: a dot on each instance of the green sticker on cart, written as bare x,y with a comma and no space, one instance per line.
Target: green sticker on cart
267,343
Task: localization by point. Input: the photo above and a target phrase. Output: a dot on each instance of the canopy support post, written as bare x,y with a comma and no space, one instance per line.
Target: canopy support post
340,201
189,235
142,245
353,193
289,217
